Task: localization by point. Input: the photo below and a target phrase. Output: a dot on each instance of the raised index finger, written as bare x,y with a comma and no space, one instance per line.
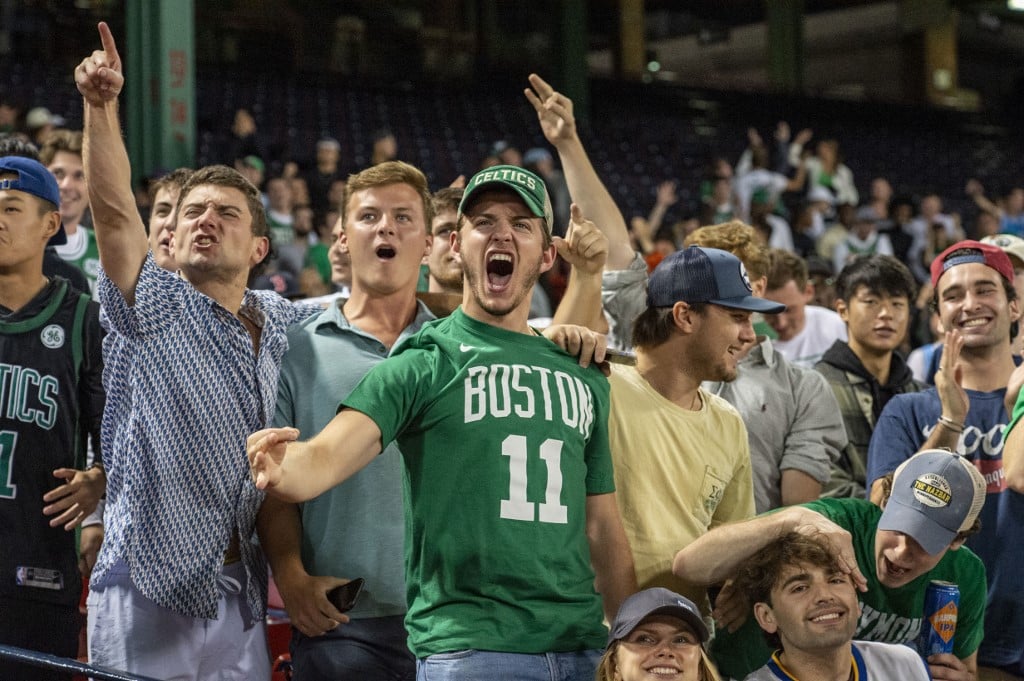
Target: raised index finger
541,86
109,46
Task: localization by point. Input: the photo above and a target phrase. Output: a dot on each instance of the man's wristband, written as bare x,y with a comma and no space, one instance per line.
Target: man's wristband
950,424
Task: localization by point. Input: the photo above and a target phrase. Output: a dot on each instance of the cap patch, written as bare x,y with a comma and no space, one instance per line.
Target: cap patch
505,175
932,490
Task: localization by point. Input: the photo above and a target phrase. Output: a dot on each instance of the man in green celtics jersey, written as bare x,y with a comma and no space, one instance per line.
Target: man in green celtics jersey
511,518
62,155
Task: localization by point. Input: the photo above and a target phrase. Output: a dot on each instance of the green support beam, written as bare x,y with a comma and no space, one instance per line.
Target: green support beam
573,56
160,117
785,44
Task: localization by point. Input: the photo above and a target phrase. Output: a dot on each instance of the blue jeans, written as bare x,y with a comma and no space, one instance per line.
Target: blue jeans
470,665
372,648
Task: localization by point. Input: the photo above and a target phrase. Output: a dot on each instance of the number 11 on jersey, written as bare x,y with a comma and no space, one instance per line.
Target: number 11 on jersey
516,507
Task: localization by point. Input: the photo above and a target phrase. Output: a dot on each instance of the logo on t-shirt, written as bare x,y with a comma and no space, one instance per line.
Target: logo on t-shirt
52,336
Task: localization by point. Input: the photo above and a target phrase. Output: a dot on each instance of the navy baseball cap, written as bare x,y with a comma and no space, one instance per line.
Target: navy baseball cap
655,601
705,275
529,186
935,495
34,179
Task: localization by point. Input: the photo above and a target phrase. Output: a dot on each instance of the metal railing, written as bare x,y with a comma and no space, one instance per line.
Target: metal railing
65,664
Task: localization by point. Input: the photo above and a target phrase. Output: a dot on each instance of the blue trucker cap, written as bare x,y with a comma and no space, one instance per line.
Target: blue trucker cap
705,275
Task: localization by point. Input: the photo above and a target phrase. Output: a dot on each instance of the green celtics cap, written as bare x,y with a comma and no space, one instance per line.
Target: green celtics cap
527,185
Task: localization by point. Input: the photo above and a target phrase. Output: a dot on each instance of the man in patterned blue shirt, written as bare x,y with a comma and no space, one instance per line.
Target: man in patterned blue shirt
179,589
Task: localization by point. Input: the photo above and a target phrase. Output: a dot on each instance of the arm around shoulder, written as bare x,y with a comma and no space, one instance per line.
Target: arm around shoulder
716,555
1013,448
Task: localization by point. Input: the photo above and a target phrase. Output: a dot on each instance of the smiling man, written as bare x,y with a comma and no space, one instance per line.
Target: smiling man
62,156
964,412
808,609
804,331
510,515
873,297
892,556
682,457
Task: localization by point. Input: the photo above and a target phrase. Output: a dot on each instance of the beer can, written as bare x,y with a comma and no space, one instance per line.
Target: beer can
941,603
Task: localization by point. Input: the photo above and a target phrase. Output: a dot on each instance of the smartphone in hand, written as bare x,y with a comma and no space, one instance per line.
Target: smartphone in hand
344,597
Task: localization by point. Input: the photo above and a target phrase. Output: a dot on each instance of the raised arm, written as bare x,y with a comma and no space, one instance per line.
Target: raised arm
665,197
977,192
554,111
585,247
298,471
955,406
717,555
120,234
1013,449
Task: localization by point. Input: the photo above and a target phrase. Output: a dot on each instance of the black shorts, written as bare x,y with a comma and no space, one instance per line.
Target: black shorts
41,627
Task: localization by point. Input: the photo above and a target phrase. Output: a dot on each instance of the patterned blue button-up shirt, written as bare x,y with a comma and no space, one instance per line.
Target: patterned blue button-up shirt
184,389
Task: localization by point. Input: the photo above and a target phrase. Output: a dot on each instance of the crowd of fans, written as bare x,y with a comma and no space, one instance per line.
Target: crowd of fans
802,423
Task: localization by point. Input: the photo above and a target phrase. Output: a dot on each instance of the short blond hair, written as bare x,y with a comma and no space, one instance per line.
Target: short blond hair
390,172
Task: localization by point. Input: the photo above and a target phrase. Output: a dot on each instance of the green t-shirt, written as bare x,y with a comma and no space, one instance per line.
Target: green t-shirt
83,252
317,257
503,436
887,615
1018,412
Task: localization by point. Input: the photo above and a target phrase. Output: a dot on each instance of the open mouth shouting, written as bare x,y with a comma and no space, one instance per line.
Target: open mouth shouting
203,242
385,252
892,572
499,271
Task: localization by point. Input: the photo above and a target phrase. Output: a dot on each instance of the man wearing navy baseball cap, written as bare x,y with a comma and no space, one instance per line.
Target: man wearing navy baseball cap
50,342
31,177
680,451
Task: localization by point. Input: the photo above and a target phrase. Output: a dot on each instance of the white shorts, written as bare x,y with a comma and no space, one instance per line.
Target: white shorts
131,633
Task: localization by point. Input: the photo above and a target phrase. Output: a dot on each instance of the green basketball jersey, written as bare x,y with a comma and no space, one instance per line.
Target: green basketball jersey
85,255
503,436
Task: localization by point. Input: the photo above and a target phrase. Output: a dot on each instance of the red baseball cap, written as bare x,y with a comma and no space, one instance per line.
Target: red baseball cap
964,252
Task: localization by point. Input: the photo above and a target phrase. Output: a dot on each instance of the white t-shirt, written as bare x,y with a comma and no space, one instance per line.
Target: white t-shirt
822,328
873,661
747,184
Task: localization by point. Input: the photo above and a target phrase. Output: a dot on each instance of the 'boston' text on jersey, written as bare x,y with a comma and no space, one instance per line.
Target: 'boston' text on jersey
502,390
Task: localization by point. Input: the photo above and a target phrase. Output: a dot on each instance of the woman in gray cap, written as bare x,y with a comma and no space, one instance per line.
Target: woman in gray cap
657,633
